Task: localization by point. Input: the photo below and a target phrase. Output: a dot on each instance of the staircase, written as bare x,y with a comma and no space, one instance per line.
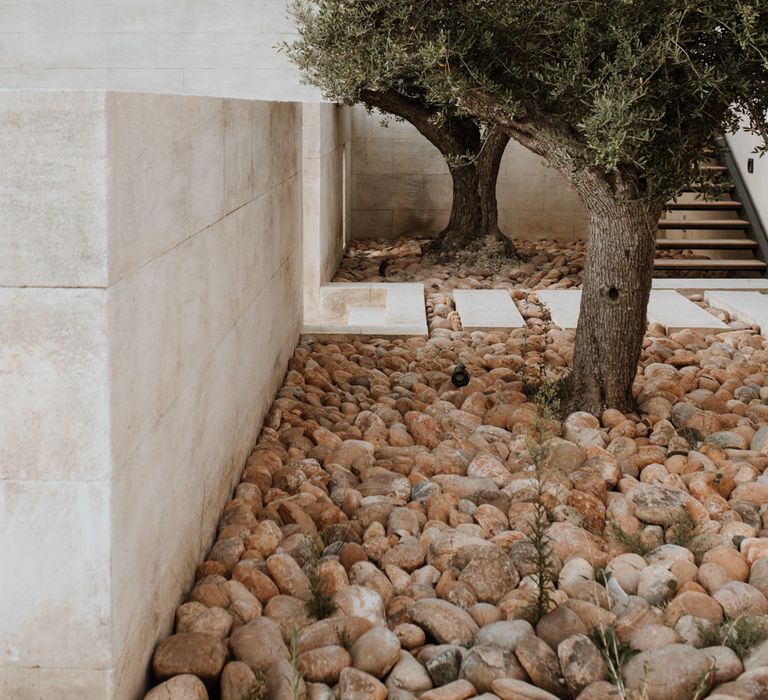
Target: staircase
716,236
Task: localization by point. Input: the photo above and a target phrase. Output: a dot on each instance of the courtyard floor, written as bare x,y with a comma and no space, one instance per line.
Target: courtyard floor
381,542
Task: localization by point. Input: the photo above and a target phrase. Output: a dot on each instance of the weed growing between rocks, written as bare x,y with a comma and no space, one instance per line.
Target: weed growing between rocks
542,558
615,654
741,634
297,676
543,384
259,689
681,531
320,604
543,566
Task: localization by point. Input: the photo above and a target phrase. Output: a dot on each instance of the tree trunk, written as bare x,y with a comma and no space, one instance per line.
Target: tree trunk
474,210
617,283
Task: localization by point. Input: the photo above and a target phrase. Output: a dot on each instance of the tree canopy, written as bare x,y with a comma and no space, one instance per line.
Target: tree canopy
623,97
604,84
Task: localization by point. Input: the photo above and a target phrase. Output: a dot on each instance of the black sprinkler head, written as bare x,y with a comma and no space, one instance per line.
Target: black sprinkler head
460,376
383,265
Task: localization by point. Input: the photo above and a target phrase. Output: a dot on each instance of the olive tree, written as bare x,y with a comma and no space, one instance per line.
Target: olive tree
622,97
340,51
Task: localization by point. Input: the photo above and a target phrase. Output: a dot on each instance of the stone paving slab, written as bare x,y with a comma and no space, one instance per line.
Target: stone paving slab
673,311
710,283
751,307
667,307
367,316
487,309
563,305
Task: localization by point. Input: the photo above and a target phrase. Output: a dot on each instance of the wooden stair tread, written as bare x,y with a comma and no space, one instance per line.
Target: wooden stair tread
677,264
714,185
703,205
701,243
704,224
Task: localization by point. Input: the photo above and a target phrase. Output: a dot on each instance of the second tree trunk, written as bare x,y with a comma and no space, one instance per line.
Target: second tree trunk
474,210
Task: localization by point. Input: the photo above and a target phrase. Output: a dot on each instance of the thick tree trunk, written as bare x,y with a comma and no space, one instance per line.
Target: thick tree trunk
617,283
474,210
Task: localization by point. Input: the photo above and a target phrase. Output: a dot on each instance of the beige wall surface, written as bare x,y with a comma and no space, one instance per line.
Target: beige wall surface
327,157
401,185
203,47
136,368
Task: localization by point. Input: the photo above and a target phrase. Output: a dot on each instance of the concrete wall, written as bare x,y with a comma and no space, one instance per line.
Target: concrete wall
150,296
201,47
401,185
327,156
742,145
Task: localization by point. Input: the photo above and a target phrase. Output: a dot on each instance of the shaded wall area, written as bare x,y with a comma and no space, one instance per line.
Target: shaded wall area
150,297
401,185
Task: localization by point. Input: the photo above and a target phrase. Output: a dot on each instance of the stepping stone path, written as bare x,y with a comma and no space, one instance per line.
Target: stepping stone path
563,305
666,307
702,283
487,309
751,307
675,312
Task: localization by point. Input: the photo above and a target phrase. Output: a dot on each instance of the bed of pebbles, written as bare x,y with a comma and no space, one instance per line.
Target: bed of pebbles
380,543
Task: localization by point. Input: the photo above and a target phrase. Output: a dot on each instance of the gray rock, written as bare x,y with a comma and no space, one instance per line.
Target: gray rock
658,505
444,668
541,664
505,635
669,673
444,622
484,664
581,662
184,687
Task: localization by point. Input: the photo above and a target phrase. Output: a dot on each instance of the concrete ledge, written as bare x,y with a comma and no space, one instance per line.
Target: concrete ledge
375,309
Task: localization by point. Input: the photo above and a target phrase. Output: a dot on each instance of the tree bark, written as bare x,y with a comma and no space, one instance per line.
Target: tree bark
617,282
474,166
474,211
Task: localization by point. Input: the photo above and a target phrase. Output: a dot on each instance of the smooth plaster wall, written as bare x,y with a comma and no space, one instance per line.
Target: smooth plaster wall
204,47
401,185
137,367
742,145
327,155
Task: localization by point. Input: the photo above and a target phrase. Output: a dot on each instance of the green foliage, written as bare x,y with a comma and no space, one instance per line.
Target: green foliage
297,677
320,604
631,541
543,565
543,569
681,531
741,634
692,436
615,654
602,576
344,639
634,88
259,689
